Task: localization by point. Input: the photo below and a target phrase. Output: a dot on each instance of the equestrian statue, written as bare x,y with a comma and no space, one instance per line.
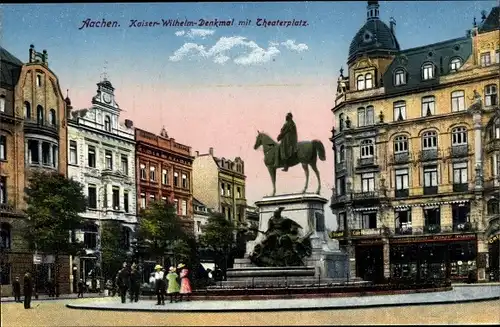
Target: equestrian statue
289,152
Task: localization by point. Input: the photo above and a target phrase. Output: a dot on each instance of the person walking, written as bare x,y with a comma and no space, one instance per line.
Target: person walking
123,281
28,290
135,283
160,285
173,284
16,290
185,282
80,287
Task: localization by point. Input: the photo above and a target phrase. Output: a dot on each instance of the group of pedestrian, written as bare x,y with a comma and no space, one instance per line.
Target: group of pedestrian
27,290
175,284
128,279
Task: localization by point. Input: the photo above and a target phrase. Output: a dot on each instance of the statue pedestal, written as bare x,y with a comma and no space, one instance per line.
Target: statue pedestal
308,211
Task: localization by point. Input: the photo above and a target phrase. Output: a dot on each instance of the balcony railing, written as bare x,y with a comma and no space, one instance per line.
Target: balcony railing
404,230
429,154
366,161
365,195
458,151
402,193
460,187
432,228
5,207
401,158
429,190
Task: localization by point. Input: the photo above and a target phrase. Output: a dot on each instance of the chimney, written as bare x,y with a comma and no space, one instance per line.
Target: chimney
392,23
197,153
211,151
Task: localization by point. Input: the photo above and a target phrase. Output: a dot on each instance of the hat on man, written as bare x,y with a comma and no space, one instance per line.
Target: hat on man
181,265
158,267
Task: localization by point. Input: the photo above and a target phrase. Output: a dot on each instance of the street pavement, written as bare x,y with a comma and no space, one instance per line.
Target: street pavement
465,293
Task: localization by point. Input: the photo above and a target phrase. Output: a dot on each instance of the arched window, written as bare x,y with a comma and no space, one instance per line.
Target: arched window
107,123
341,154
459,136
368,81
39,114
400,144
490,95
360,83
399,77
52,117
492,207
367,149
429,140
341,122
5,236
428,71
27,110
3,147
455,63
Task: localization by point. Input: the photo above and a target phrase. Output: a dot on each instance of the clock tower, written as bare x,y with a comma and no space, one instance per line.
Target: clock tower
105,95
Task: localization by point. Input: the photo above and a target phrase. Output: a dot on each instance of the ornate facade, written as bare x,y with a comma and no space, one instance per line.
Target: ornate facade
33,135
164,169
101,156
220,184
416,160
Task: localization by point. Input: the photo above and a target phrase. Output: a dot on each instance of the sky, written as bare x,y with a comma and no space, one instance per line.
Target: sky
216,86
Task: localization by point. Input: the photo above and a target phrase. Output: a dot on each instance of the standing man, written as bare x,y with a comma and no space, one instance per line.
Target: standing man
123,281
288,142
28,290
159,285
80,286
135,283
16,290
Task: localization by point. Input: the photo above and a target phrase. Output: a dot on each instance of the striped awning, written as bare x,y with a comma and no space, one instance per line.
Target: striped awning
429,204
366,209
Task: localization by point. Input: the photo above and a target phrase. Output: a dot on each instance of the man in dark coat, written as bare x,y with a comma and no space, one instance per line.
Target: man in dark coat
28,290
135,283
123,281
16,290
80,286
288,142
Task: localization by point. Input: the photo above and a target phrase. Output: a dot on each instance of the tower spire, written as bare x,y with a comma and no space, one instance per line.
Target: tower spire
372,10
104,75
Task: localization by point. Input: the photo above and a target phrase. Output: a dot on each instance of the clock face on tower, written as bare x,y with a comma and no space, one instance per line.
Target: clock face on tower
106,97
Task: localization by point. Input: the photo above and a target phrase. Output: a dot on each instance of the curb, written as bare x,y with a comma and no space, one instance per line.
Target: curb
51,298
361,306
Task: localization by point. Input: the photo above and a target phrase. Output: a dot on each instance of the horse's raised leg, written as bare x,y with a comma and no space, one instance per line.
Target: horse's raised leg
272,172
313,166
306,170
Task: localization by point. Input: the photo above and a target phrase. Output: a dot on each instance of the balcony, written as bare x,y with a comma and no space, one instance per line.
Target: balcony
401,158
401,193
41,127
462,227
365,195
404,231
429,154
460,187
365,162
340,166
432,228
459,151
339,198
429,190
493,145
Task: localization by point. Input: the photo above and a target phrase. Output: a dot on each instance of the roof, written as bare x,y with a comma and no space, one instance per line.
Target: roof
10,68
198,203
373,37
492,21
412,60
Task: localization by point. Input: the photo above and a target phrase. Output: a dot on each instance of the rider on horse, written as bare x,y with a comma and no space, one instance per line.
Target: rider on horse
288,142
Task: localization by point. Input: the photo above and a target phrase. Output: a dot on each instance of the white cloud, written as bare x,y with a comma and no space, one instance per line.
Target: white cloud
224,50
195,32
290,45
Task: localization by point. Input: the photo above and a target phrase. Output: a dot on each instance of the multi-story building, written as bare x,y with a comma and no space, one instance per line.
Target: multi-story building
200,215
101,156
164,169
219,183
32,136
416,153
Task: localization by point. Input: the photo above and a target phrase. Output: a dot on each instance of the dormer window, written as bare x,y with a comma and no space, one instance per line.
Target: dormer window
368,81
107,123
360,83
428,71
399,77
455,64
485,59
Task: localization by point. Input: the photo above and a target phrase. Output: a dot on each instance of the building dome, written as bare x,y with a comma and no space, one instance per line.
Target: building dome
374,37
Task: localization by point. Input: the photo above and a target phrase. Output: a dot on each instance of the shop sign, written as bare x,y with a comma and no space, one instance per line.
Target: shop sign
358,232
338,234
435,238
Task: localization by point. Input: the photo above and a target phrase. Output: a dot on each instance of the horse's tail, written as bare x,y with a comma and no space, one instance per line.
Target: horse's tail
318,146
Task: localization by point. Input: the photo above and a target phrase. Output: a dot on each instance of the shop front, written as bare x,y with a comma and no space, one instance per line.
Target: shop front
433,257
369,259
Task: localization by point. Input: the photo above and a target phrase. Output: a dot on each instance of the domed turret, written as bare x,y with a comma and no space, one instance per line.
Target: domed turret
375,37
67,100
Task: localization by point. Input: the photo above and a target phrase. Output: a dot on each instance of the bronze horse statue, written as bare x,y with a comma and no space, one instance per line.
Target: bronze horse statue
307,154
